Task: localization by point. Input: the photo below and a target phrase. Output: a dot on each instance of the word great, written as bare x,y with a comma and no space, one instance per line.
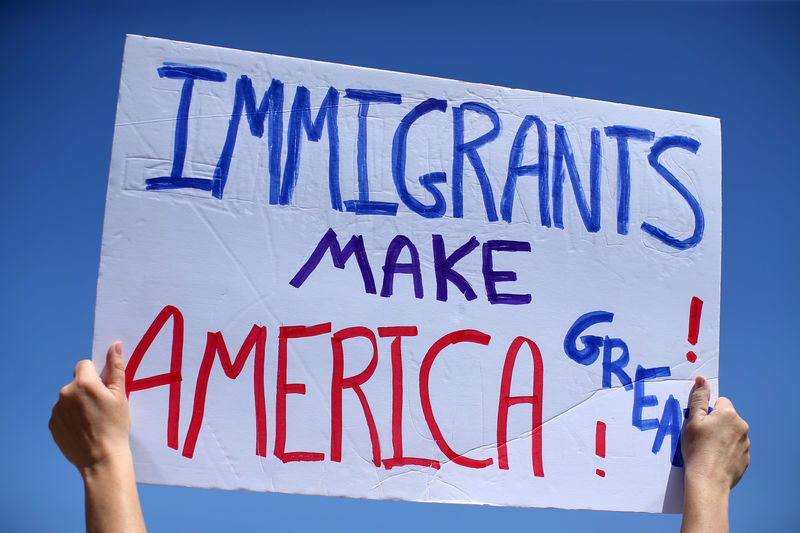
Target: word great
671,419
255,343
268,114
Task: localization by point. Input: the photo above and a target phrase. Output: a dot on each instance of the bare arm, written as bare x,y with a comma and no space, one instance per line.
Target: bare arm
90,424
716,452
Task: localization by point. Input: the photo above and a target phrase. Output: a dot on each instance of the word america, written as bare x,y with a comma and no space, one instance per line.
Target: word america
255,344
268,114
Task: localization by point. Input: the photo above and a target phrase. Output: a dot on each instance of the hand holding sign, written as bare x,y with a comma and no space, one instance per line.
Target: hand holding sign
715,445
716,449
90,424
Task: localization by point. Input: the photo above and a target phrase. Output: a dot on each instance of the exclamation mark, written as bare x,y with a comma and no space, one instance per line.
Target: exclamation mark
695,310
600,444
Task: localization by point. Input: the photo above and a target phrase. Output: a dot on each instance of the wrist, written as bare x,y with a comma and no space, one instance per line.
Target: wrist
115,464
706,494
705,504
707,482
707,488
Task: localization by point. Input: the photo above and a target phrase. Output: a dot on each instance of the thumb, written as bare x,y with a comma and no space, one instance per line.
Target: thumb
700,396
115,369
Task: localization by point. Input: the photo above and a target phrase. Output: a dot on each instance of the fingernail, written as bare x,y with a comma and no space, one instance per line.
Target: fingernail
118,348
699,382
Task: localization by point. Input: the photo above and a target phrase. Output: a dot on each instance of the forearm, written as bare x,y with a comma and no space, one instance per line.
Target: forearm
705,508
112,500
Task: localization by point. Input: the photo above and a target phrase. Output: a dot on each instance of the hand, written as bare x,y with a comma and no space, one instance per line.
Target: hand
91,421
715,446
90,424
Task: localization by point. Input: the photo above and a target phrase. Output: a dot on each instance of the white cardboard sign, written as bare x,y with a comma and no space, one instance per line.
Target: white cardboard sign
343,281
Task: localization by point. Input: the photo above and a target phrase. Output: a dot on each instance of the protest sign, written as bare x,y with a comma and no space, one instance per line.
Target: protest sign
343,281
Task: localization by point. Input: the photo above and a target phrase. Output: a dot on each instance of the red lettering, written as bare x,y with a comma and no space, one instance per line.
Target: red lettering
506,401
465,335
339,383
215,344
255,343
397,400
284,388
171,378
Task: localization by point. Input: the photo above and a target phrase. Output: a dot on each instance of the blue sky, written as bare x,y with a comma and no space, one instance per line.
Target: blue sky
61,62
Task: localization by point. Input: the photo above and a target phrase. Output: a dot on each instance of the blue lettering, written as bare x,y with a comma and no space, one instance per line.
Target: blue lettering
640,400
563,153
399,164
617,366
272,103
491,277
339,257
516,169
364,206
391,266
470,149
591,343
175,180
622,134
301,117
443,267
670,424
661,145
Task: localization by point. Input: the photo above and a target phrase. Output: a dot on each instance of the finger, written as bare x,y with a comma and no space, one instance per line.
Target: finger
65,391
85,371
115,368
699,398
723,404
